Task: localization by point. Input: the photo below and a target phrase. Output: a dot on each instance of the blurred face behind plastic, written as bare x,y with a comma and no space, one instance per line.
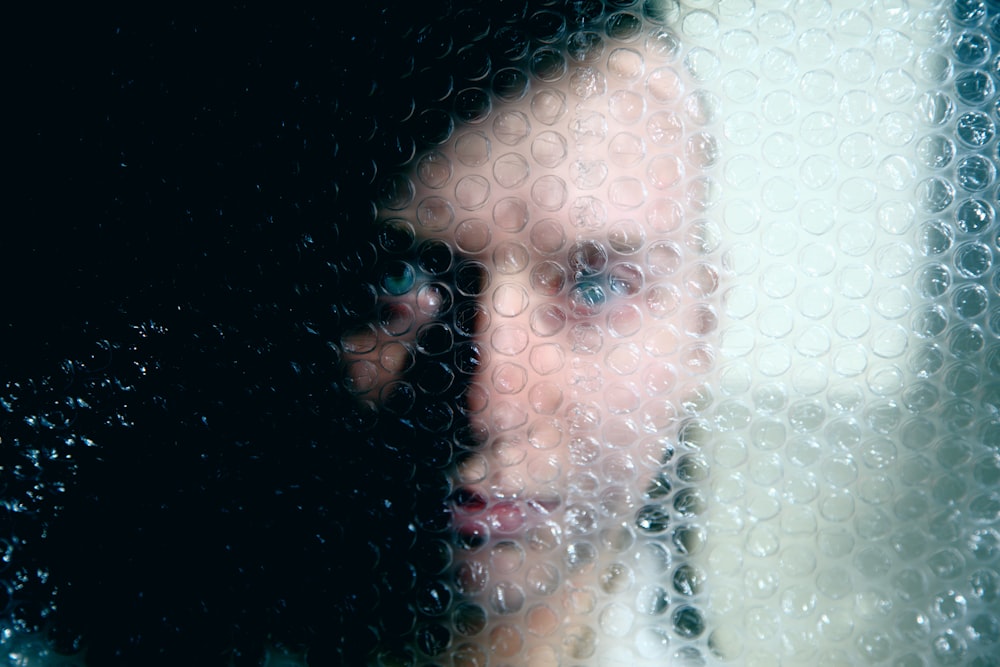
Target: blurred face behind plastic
697,284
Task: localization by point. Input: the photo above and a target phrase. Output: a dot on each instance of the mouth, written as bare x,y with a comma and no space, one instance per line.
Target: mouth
479,517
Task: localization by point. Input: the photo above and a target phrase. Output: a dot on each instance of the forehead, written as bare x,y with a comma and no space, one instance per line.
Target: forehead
595,144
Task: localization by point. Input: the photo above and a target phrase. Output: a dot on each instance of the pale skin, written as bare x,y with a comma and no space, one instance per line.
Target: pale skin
534,237
593,302
539,305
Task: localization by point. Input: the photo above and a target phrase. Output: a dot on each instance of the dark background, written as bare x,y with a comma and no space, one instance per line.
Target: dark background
187,231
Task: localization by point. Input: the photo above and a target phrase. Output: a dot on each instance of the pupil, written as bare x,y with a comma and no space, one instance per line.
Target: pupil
587,299
587,258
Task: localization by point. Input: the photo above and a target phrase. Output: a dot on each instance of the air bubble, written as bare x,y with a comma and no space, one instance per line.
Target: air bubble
935,195
973,259
472,192
616,578
469,619
579,641
966,341
780,150
623,26
896,87
975,129
548,278
935,237
473,149
779,107
626,237
688,622
968,11
936,108
588,214
894,260
975,173
580,557
970,301
896,128
936,151
973,215
702,64
700,24
933,280
874,646
510,300
816,46
626,149
549,149
626,107
511,42
856,65
948,648
548,320
473,105
509,85
547,65
506,598
587,258
740,85
702,107
589,174
626,64
894,47
587,299
511,170
435,214
589,128
930,322
434,170
776,25
548,193
548,106
974,87
396,236
702,150
585,47
472,236
664,128
625,279
398,278
587,83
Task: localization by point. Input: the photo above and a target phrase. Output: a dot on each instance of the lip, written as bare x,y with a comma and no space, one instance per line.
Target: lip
467,500
478,517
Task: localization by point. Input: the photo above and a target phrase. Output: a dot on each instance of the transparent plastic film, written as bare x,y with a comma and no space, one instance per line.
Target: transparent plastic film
707,289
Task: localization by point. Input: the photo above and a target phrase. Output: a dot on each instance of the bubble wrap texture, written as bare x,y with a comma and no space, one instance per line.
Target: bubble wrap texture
690,310
734,396
585,278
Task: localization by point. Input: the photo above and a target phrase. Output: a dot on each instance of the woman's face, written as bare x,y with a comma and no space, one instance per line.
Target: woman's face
699,282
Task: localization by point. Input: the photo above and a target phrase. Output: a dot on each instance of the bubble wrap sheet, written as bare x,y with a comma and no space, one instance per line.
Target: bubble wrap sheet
724,295
699,298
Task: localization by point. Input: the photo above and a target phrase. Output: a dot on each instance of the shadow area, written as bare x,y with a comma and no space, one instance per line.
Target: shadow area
185,477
